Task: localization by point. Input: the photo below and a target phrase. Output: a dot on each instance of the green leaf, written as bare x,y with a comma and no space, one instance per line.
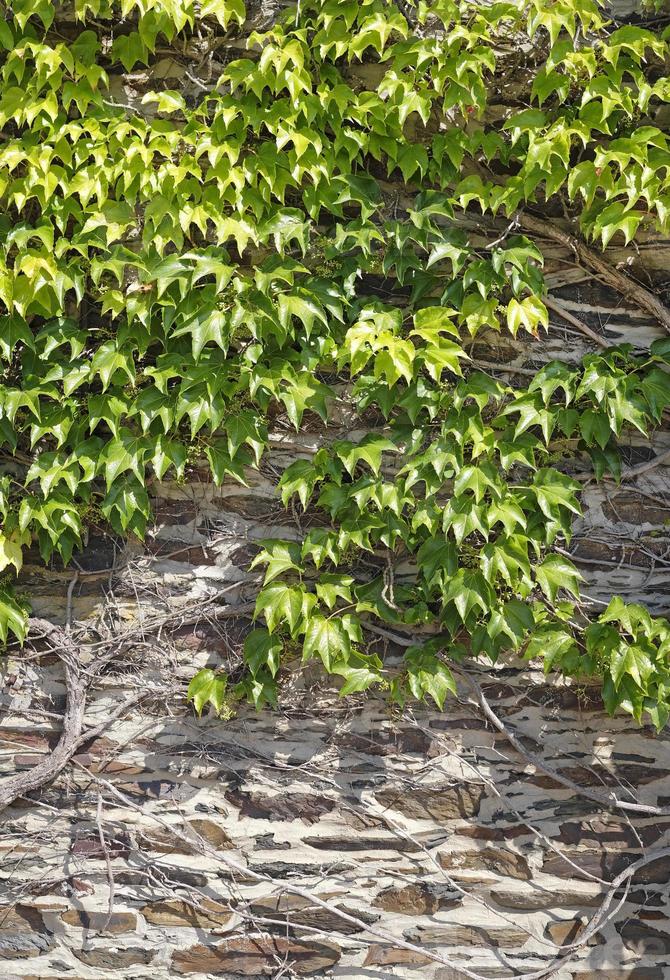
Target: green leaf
262,651
555,573
280,603
326,638
280,557
428,676
207,687
13,618
369,450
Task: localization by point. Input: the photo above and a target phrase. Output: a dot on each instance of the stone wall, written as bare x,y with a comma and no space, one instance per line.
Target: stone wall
177,846
168,845
330,838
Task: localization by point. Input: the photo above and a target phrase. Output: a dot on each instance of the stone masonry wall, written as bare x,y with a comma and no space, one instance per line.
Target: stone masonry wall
173,846
332,838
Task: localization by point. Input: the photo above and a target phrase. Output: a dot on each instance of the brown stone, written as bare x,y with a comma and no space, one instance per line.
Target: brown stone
21,918
417,899
479,832
447,973
637,973
608,864
387,742
207,915
563,933
612,833
283,806
117,922
293,910
91,848
255,957
491,859
358,842
165,842
212,832
460,934
392,956
114,959
631,508
443,804
539,897
24,761
643,939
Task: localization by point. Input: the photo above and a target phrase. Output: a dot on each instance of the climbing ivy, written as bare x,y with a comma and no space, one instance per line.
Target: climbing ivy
180,275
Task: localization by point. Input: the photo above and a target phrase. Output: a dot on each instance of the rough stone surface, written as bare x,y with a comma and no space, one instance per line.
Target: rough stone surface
256,957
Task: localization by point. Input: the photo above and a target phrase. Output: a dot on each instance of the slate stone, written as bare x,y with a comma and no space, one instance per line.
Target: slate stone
418,899
115,959
207,915
643,939
250,957
460,934
451,803
493,860
283,806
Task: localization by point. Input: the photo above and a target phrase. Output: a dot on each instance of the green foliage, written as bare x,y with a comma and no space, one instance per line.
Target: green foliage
175,278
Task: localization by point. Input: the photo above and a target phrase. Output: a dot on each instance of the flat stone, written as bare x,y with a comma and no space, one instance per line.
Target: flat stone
282,806
212,832
614,834
255,957
388,742
538,897
490,859
563,933
417,899
140,880
393,956
451,803
636,973
24,945
159,789
90,847
608,864
643,939
21,918
479,832
115,959
117,922
208,914
447,973
293,910
460,934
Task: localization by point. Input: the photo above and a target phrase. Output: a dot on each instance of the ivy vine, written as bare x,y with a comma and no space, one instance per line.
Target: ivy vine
177,275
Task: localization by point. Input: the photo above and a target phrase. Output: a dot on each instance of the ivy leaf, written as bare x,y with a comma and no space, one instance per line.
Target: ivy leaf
207,687
428,676
13,618
280,603
262,651
554,491
299,477
369,450
280,557
326,638
555,573
246,428
356,679
11,549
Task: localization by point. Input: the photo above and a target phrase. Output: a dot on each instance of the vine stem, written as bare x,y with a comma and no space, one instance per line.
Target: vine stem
628,287
604,799
569,318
